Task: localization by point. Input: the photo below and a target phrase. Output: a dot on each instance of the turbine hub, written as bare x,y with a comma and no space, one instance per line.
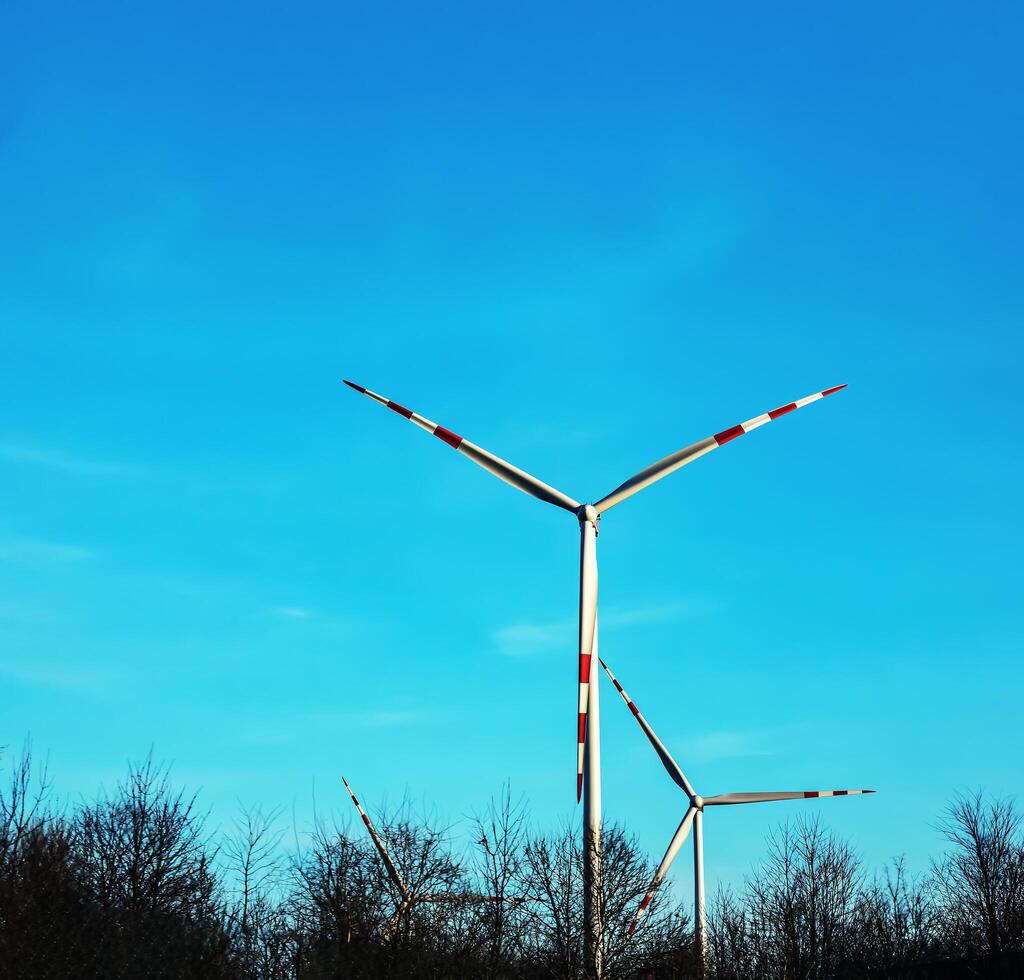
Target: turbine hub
698,802
588,513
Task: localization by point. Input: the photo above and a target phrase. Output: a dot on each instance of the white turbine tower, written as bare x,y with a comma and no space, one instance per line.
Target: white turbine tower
406,898
694,817
588,743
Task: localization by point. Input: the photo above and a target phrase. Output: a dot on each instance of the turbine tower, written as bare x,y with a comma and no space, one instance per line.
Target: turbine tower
694,817
588,741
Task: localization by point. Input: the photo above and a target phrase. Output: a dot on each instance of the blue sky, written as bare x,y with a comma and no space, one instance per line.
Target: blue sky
581,238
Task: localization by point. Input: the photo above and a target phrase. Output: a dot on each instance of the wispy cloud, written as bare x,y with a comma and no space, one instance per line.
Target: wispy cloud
665,612
715,746
68,677
531,639
318,724
547,435
68,462
19,615
34,552
528,639
390,719
292,612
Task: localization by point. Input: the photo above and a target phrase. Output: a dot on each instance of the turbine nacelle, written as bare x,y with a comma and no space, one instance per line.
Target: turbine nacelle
588,514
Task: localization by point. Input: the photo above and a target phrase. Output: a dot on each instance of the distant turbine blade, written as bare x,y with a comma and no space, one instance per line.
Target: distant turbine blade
393,874
672,463
588,625
472,898
667,761
666,862
727,799
518,478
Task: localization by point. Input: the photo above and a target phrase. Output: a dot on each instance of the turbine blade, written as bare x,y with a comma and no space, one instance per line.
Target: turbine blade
473,898
667,761
518,478
588,625
728,799
393,874
671,463
666,862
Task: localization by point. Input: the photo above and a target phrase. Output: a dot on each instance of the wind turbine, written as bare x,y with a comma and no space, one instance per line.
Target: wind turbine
694,817
588,740
407,897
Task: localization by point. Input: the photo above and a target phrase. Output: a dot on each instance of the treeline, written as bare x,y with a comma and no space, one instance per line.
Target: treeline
133,885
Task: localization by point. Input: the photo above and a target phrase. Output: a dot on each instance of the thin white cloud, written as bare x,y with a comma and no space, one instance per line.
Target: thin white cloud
391,719
373,718
547,435
34,552
317,724
11,610
716,746
68,462
68,677
531,639
664,612
292,612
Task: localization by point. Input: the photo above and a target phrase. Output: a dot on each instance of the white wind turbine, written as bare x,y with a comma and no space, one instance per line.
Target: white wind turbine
694,817
406,897
588,743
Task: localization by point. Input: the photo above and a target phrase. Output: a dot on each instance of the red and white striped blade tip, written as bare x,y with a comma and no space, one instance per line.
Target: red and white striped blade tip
581,743
640,913
811,794
727,799
495,465
687,454
727,435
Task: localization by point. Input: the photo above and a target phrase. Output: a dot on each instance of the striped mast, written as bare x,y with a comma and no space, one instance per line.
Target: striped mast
588,753
694,816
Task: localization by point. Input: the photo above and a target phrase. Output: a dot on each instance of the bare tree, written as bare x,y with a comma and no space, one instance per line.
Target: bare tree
348,916
38,899
552,877
22,803
421,850
144,866
802,903
337,894
145,848
662,942
500,834
251,858
732,946
980,882
897,931
130,886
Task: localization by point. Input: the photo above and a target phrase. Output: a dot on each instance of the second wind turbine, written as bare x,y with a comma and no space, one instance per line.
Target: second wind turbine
588,741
